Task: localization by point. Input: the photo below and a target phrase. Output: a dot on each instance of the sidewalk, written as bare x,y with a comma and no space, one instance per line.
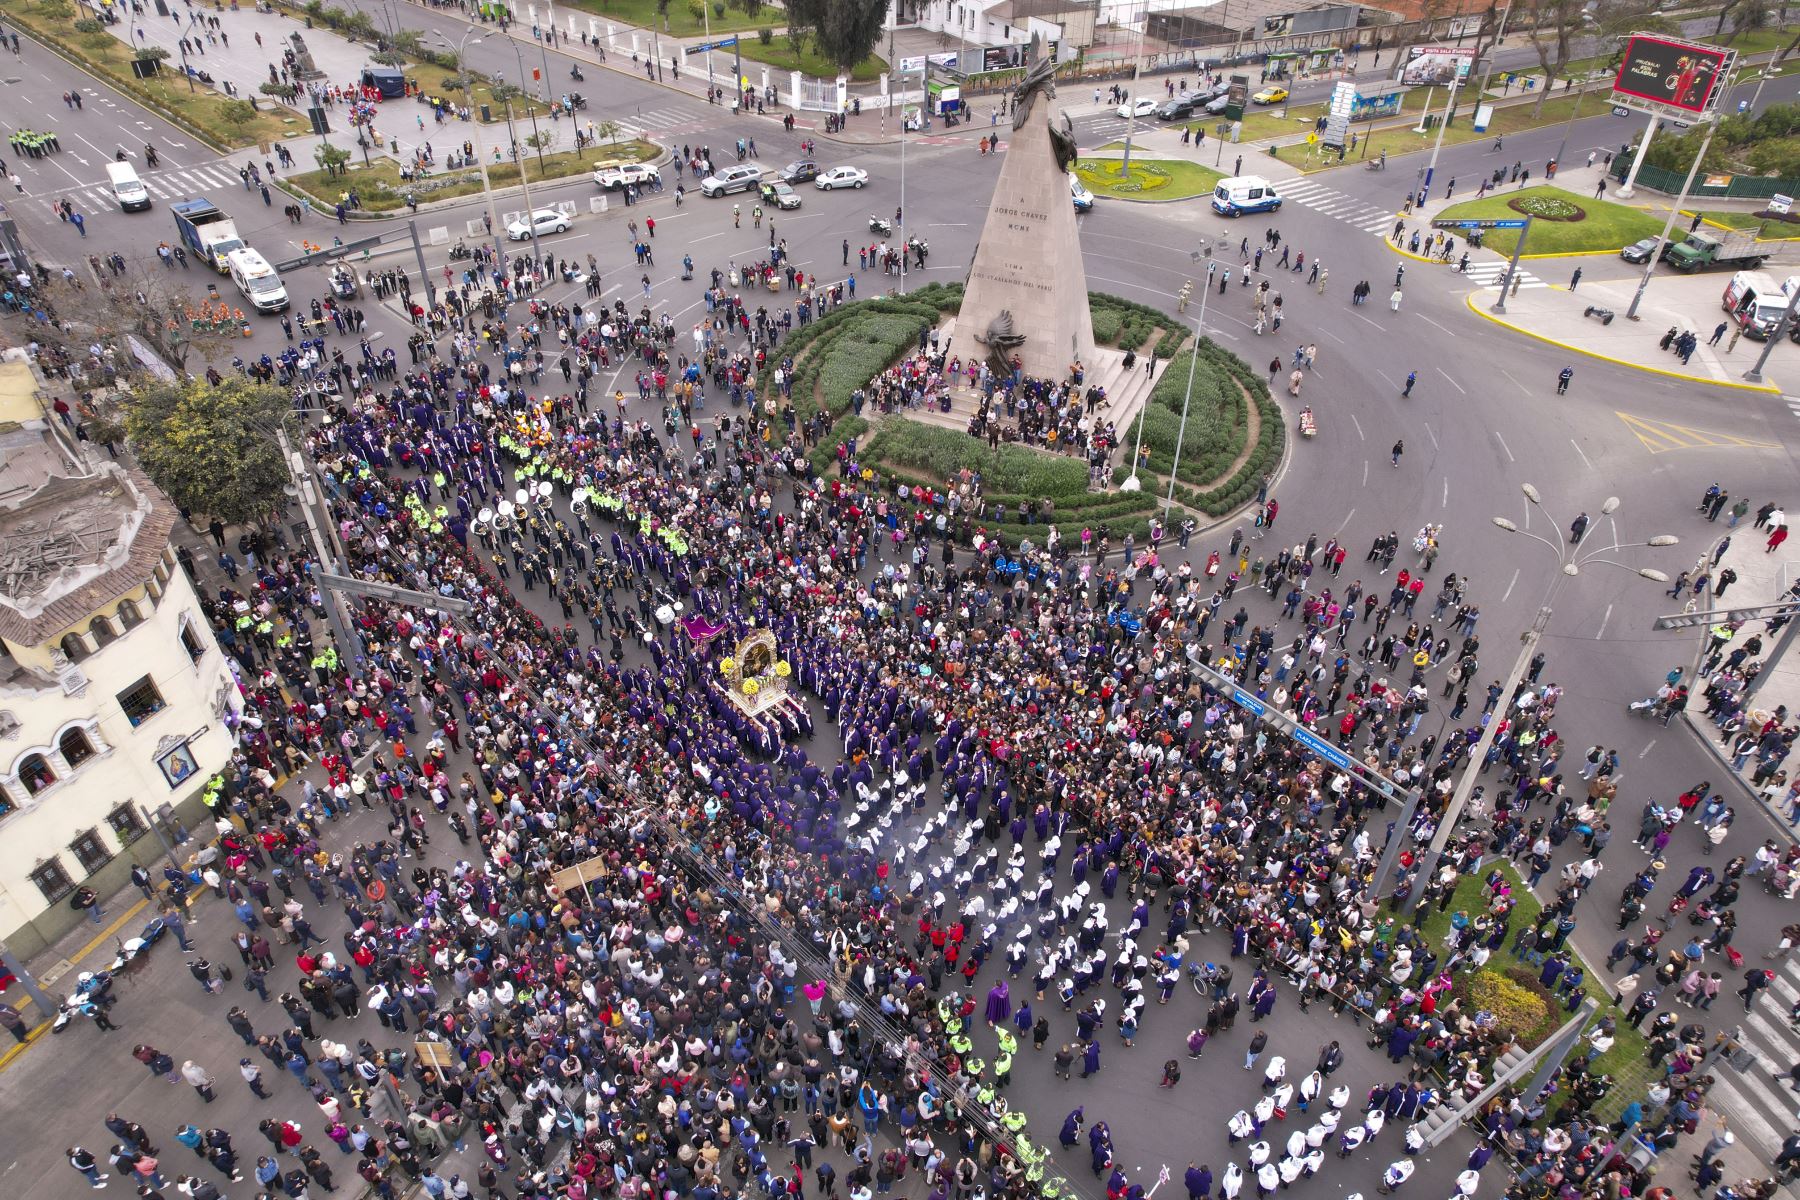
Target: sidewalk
1762,579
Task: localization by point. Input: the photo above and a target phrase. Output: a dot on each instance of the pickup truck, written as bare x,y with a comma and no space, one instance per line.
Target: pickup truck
207,231
1735,248
614,176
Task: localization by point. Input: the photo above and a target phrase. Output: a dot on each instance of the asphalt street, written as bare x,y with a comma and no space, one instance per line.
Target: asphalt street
1483,418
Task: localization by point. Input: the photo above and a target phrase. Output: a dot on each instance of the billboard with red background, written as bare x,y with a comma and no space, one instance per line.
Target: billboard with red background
1677,74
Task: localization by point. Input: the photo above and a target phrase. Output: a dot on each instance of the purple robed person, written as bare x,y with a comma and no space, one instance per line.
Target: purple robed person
999,1004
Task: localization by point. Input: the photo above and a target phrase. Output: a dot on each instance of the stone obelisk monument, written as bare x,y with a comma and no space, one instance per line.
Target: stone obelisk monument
1026,296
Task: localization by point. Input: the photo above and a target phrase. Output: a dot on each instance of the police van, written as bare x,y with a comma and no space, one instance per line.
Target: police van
258,281
1245,194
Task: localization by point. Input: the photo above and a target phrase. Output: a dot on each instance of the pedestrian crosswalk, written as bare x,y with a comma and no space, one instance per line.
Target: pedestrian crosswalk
1363,214
1793,403
660,120
1758,1101
1488,274
163,185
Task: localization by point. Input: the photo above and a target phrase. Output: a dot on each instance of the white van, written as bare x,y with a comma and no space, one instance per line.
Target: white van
258,281
1245,194
1756,301
127,188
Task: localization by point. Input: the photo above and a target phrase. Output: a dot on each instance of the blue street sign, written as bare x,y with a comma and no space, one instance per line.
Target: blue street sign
1248,700
1321,747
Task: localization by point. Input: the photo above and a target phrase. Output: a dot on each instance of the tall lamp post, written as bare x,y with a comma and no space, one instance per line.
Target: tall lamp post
1570,561
1132,483
487,187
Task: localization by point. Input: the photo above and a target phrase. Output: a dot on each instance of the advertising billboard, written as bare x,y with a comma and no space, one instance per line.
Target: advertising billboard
1674,75
1428,66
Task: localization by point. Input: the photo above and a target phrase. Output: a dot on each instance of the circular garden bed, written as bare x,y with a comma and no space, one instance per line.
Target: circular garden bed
1546,207
1235,432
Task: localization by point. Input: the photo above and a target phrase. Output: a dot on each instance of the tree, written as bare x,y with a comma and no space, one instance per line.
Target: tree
212,448
843,31
331,159
609,130
150,303
237,113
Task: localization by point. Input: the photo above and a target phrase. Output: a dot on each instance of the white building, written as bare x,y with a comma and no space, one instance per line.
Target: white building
987,23
113,693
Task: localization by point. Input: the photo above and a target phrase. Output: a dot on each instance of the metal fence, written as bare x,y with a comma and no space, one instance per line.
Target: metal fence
818,95
1736,187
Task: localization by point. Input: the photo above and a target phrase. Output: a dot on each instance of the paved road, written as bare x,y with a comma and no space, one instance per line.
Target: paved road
1483,419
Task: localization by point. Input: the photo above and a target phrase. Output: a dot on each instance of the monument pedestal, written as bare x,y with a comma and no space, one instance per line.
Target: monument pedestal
1028,261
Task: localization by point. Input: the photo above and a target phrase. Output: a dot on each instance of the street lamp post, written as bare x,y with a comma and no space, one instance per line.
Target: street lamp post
1569,563
1663,238
1132,483
487,187
1449,110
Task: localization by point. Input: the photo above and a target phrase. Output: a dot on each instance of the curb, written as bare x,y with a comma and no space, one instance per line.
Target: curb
1573,349
324,208
1718,751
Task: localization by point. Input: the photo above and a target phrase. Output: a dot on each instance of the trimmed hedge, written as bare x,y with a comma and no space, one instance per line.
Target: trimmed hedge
843,350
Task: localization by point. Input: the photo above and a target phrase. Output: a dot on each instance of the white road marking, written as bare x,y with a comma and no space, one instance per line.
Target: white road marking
1359,429
1510,584
1446,374
1446,491
1646,748
1432,434
1365,472
1504,446
1604,618
1584,457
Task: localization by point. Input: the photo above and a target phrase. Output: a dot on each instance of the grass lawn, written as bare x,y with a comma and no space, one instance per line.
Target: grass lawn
381,189
1471,897
685,18
435,82
779,54
1260,122
1402,139
1769,230
1149,178
204,112
1603,225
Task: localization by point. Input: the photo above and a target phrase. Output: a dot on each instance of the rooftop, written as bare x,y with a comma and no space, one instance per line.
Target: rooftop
73,536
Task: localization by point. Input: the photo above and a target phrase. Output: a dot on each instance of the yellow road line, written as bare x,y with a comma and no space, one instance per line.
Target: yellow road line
1481,310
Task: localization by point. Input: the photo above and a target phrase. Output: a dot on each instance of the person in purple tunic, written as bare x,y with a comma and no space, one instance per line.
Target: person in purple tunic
999,1004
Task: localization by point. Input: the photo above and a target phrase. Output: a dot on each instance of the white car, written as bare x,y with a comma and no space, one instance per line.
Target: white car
838,177
544,220
1143,106
614,176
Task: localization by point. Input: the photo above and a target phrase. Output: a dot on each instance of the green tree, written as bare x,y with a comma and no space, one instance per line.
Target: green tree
237,113
331,159
750,7
844,32
607,130
210,448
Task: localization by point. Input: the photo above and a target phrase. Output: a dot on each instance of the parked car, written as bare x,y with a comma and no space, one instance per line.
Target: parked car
1640,250
739,178
614,176
1143,106
543,221
1271,95
780,194
800,172
841,177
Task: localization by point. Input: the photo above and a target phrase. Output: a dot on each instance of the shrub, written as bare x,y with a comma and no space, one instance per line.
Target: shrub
1007,469
1516,1009
765,35
1107,322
